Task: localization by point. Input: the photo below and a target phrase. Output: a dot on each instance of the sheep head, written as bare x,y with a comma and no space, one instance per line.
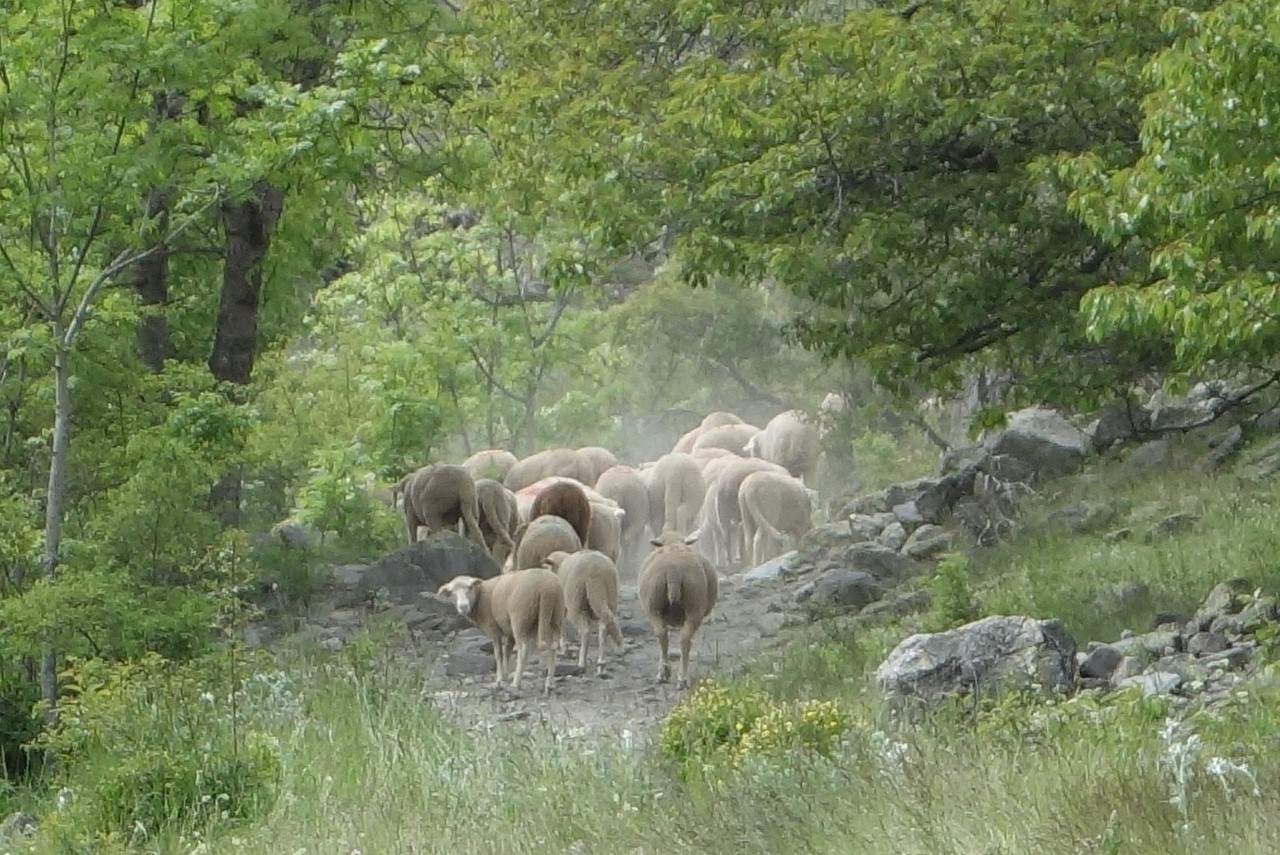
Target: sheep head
752,448
674,538
554,560
463,591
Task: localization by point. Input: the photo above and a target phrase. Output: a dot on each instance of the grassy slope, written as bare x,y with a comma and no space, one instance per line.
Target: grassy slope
373,769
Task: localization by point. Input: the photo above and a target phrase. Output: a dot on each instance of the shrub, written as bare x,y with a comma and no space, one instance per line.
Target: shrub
719,723
953,601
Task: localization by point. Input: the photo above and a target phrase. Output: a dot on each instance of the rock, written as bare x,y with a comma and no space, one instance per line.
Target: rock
425,566
1233,657
1259,613
884,500
1084,517
1224,446
893,536
1158,683
841,589
957,459
1119,420
1122,597
908,515
333,644
1130,666
1204,643
988,654
772,569
1171,524
937,500
1101,662
884,564
1150,455
1268,422
1118,534
927,542
895,605
1167,619
458,664
348,575
864,527
1043,439
634,628
295,536
1226,598
15,825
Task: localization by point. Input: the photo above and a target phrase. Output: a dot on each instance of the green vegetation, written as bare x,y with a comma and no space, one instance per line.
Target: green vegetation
258,261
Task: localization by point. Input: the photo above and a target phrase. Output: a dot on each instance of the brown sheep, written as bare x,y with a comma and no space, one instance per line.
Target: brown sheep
492,463
729,437
566,462
791,441
772,506
568,501
516,611
600,459
676,489
605,532
627,487
537,539
720,512
437,497
590,581
499,518
678,588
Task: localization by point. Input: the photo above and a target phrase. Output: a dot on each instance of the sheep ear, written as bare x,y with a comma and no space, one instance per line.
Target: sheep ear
657,541
691,539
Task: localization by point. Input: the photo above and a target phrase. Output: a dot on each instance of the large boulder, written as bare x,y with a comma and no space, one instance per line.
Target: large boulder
991,654
1043,439
407,573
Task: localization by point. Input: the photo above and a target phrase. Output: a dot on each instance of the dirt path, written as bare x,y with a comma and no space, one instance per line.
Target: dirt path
627,701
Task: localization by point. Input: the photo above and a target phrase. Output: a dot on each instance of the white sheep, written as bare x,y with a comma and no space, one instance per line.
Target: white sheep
516,611
678,588
590,581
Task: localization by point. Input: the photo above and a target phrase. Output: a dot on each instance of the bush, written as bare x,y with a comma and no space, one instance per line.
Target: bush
719,723
953,601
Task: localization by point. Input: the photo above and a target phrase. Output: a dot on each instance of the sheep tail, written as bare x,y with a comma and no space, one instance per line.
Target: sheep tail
599,603
675,588
549,621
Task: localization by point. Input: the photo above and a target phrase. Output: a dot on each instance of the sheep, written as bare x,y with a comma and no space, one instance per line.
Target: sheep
499,518
627,487
436,497
772,505
565,462
675,493
492,463
720,511
791,441
704,456
685,444
678,588
830,411
730,437
526,496
590,582
516,611
605,531
600,459
539,538
568,501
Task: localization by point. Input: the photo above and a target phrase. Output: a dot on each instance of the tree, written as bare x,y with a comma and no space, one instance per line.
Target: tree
1202,199
894,169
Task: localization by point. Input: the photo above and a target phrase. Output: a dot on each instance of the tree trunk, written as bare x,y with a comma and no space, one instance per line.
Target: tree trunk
249,226
53,513
152,286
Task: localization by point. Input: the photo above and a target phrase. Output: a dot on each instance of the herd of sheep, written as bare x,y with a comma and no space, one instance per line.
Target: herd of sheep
562,523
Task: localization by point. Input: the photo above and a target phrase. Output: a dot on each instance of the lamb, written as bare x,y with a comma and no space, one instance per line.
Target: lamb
676,489
627,487
678,588
730,437
499,518
436,497
537,539
605,532
790,441
492,463
565,462
516,611
590,582
568,501
772,505
600,459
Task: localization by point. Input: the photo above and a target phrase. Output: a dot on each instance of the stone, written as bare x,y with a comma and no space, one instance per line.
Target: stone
927,542
1101,662
893,536
1043,439
1150,455
1204,643
865,527
1171,524
1084,517
770,570
908,515
295,536
1118,420
1226,598
425,566
841,589
1157,683
989,654
1225,446
886,565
